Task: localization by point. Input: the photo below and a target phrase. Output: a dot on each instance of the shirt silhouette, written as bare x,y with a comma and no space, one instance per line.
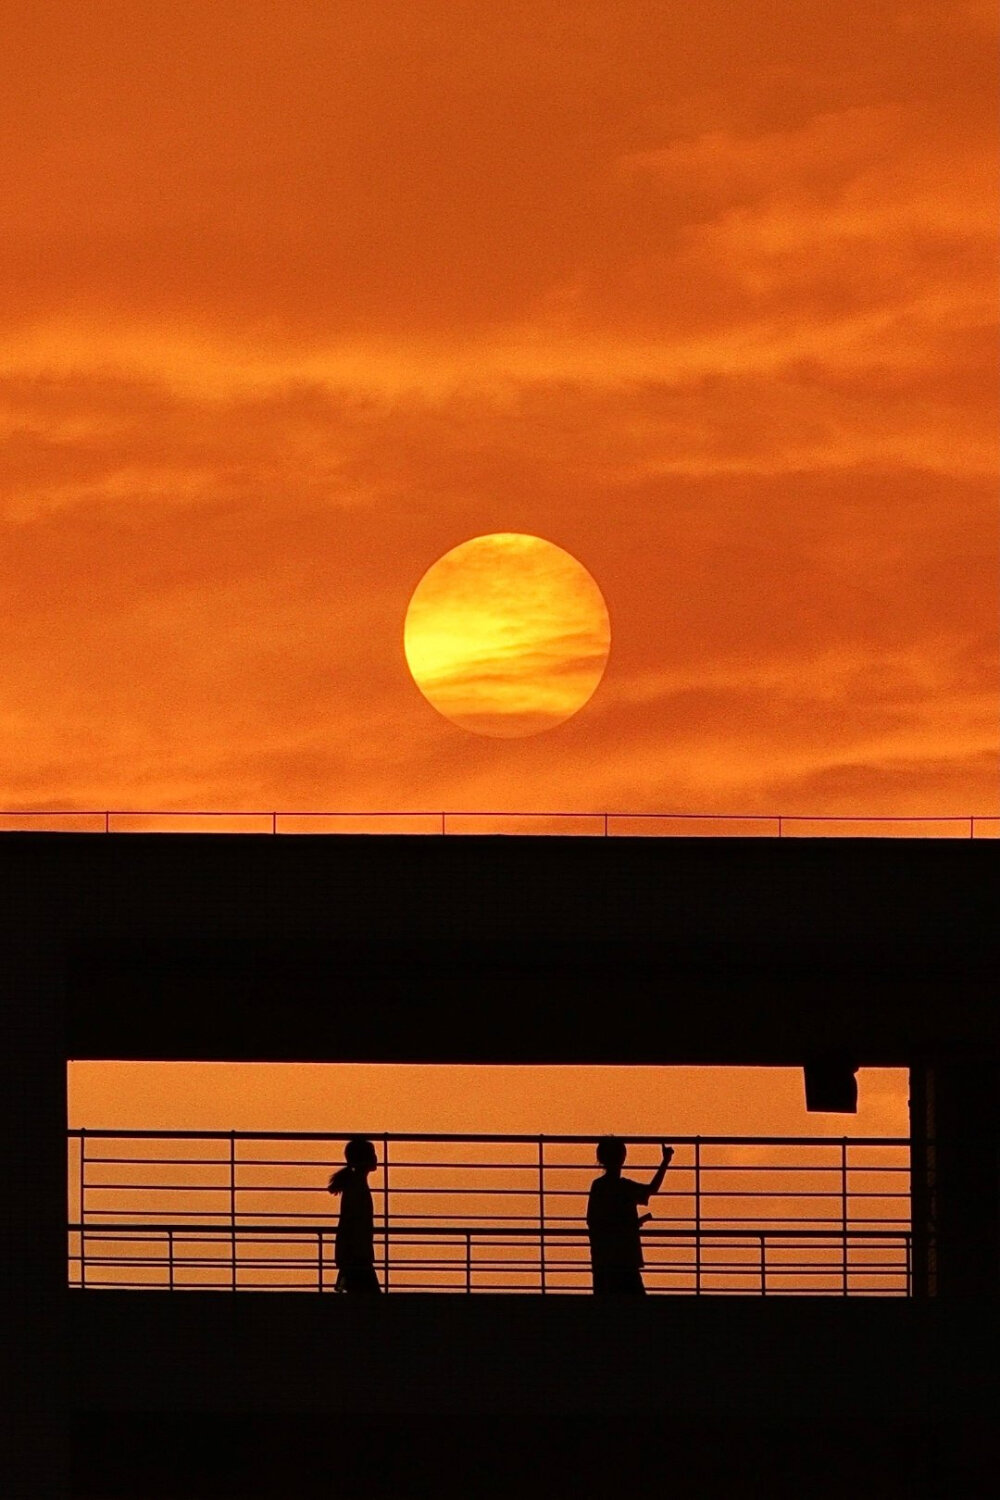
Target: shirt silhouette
354,1250
613,1222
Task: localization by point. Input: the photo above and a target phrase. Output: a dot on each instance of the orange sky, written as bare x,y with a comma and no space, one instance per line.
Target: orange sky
298,297
398,1097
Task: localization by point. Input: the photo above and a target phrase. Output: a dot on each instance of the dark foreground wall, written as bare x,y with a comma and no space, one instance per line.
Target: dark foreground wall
753,951
291,1395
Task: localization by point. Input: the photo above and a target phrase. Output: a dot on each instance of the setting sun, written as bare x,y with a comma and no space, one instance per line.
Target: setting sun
507,635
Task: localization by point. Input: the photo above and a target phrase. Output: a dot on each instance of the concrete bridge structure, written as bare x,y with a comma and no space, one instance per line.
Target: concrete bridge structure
826,953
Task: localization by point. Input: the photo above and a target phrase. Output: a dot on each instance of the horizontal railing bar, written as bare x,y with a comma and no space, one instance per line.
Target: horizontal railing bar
459,1289
873,1269
519,1193
271,814
185,1187
519,1223
525,1267
440,1166
528,1273
482,1193
494,1166
191,1213
182,1161
485,1192
415,1187
554,1140
272,1192
327,1230
290,1216
574,1265
524,1221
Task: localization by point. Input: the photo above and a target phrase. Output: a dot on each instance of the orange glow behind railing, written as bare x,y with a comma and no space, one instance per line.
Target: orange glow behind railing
599,824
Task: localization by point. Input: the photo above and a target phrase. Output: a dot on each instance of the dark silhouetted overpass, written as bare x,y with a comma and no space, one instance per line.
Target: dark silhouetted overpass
832,952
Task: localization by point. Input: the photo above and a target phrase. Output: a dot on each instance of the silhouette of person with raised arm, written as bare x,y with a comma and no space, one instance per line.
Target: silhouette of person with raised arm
612,1220
354,1251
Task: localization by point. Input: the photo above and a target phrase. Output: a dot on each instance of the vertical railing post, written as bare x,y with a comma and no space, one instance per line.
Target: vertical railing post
541,1211
385,1211
232,1203
907,1239
843,1214
274,822
319,1259
82,1177
780,826
697,1216
763,1265
444,817
468,1260
82,1191
170,1259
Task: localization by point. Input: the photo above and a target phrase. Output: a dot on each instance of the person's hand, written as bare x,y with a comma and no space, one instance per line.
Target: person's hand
329,1186
668,1152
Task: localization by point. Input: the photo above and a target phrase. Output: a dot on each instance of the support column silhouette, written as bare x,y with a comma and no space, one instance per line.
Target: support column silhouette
955,1130
34,1457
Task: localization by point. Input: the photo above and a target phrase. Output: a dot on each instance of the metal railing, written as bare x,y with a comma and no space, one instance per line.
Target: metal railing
600,824
476,1213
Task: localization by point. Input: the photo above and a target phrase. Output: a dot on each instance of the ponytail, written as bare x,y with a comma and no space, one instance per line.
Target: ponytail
339,1180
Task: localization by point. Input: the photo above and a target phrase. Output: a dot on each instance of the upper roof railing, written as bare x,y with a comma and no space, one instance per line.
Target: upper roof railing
594,824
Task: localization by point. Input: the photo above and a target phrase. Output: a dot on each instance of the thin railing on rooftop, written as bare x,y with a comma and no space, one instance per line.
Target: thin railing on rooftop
235,1211
599,824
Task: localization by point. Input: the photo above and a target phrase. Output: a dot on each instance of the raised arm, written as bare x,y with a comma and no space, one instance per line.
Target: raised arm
657,1182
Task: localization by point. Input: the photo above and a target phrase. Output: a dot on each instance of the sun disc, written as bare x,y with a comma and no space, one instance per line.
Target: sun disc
507,635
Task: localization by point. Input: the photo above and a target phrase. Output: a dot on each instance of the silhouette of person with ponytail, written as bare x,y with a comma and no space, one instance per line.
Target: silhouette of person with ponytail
354,1252
612,1221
